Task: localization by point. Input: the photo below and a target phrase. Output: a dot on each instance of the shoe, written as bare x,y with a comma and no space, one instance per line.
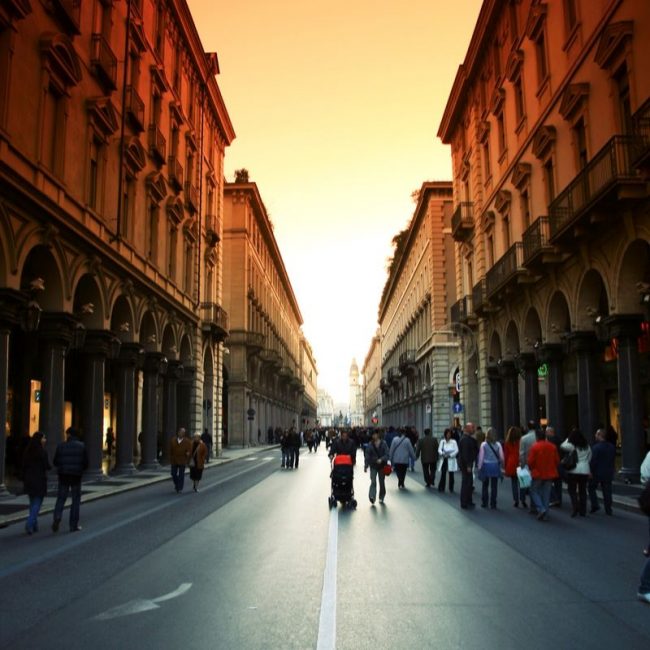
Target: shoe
76,529
55,525
540,516
484,505
574,514
595,509
609,512
646,551
516,504
372,501
644,597
381,501
28,531
493,507
441,489
523,503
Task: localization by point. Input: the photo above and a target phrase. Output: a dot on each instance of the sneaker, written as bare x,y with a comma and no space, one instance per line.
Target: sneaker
594,509
644,597
76,529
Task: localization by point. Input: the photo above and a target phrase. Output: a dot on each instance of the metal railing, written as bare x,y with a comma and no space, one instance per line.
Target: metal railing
70,12
479,296
175,172
255,340
461,310
393,374
505,268
135,107
536,238
462,220
192,195
157,143
215,315
611,165
407,358
104,60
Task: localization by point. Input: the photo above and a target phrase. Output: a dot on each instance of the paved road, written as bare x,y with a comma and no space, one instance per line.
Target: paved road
247,562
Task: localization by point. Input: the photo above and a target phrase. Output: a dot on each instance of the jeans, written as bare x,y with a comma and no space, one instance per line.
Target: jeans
578,482
178,476
540,494
35,504
67,486
466,485
606,487
429,472
285,457
644,584
296,456
490,484
374,475
514,484
443,476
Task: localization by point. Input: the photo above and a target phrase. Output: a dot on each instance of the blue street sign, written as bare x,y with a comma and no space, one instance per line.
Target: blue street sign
458,407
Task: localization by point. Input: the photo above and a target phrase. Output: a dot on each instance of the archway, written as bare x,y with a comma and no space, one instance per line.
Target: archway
41,277
558,322
592,301
633,282
209,404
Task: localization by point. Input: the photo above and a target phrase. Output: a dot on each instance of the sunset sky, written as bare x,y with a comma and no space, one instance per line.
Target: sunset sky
336,105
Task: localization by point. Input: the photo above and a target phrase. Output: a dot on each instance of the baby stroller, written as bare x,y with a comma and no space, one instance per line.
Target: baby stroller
342,482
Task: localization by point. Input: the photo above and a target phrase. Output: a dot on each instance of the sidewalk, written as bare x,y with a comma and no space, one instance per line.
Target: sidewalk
13,509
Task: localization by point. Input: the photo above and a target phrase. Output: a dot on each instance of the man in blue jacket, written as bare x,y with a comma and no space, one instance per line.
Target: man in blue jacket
71,459
603,460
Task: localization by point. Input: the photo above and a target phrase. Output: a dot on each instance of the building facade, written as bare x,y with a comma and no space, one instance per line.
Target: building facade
371,372
309,374
264,376
325,411
418,347
355,404
549,124
111,171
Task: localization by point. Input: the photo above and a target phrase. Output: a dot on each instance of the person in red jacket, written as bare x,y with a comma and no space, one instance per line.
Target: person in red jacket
511,454
543,461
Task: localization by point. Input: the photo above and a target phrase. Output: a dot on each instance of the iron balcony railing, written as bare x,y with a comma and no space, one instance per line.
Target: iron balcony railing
157,144
211,229
104,62
135,108
69,12
479,297
406,359
462,221
612,165
505,269
642,130
536,238
255,340
175,171
191,196
215,317
393,375
461,310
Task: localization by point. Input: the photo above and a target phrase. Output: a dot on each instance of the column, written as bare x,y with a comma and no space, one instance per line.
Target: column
510,388
170,417
553,355
531,387
185,389
586,347
496,398
126,363
97,347
56,333
155,364
626,329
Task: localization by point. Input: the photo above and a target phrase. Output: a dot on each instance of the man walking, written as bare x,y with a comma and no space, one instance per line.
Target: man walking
526,442
543,460
180,451
603,460
427,449
70,459
467,454
400,453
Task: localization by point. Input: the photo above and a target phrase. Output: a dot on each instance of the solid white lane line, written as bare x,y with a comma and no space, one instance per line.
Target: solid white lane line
327,623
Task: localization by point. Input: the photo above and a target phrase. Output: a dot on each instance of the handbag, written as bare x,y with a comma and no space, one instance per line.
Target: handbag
569,460
386,470
524,477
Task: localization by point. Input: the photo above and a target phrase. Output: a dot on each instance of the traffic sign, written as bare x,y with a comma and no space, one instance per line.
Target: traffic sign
458,407
428,408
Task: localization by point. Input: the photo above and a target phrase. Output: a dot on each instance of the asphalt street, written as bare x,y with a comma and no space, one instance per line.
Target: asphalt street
257,560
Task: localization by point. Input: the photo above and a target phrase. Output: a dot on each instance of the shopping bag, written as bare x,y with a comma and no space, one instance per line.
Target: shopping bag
524,477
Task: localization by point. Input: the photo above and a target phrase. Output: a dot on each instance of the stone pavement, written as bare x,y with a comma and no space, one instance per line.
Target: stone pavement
14,508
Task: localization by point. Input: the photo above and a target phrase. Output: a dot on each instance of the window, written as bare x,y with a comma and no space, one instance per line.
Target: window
580,144
93,173
160,30
622,81
128,200
188,262
501,134
549,180
490,250
540,51
5,68
519,99
570,16
171,253
507,234
496,59
53,122
524,203
152,234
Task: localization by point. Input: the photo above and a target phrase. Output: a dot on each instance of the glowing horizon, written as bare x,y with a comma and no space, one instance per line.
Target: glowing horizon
336,108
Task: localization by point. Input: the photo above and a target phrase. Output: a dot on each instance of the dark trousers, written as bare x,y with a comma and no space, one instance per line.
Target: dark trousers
492,485
514,484
429,472
443,477
67,486
556,492
294,456
400,470
178,476
606,487
577,488
466,485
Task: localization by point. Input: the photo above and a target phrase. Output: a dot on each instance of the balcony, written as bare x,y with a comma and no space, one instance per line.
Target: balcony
642,130
407,362
255,342
134,109
461,311
271,358
191,196
285,372
68,12
214,320
393,375
506,272
608,178
462,222
538,250
104,62
211,230
384,385
157,144
175,173
480,300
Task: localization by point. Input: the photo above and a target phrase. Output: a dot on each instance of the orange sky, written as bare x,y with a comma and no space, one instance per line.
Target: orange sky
336,105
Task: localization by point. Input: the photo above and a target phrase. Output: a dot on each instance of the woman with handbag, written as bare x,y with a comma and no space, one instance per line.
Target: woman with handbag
197,461
376,458
35,467
490,461
578,476
511,456
447,463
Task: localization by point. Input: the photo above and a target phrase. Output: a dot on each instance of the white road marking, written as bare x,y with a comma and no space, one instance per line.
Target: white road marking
327,623
140,605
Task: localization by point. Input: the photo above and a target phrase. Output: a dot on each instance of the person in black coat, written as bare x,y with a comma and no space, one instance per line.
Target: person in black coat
467,455
35,466
344,446
602,465
71,460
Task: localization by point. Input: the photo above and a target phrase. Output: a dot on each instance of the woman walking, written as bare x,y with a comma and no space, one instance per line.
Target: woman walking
490,461
511,462
376,459
447,463
578,476
197,461
35,466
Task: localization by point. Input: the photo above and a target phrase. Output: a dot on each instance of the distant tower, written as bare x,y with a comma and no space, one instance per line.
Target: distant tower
356,406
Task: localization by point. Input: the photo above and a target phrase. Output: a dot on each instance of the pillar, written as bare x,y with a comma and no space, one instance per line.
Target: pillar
185,401
586,347
155,364
170,414
97,347
510,389
126,364
553,355
531,387
626,330
496,398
